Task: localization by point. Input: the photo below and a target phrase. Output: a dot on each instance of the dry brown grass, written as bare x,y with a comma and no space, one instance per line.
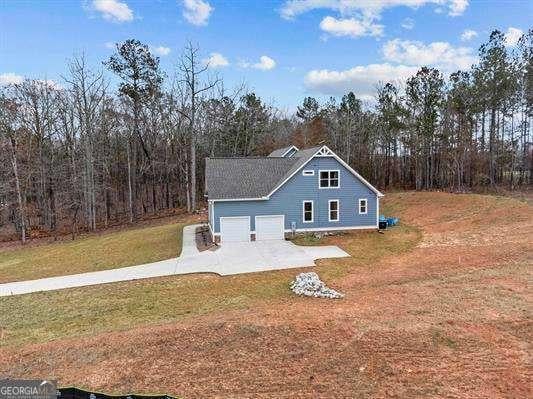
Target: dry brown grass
442,318
110,307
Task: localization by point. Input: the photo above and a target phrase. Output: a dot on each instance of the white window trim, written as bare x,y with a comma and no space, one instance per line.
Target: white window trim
335,156
338,210
312,211
329,187
308,172
366,206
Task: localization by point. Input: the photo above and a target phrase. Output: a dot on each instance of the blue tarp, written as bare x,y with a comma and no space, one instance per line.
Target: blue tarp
391,221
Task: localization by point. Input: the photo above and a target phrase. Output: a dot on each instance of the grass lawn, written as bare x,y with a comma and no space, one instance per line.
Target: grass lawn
105,251
74,312
436,307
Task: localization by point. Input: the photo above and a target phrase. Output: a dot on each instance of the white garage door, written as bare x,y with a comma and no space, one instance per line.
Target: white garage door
270,227
235,229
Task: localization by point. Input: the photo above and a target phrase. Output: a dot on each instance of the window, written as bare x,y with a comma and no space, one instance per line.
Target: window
333,210
329,179
308,173
307,209
363,206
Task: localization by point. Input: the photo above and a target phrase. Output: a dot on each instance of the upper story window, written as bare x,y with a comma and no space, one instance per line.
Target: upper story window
308,172
329,179
363,206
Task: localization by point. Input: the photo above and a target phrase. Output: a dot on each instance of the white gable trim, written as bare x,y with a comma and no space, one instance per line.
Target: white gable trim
238,199
292,174
292,147
370,186
322,153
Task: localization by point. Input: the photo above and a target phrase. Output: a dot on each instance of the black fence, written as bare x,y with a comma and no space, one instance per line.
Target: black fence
76,393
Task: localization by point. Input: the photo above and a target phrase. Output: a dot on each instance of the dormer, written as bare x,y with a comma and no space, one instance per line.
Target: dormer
285,152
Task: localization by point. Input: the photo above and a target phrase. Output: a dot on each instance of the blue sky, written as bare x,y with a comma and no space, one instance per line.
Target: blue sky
283,50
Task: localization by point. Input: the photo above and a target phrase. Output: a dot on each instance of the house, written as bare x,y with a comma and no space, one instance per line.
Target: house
291,190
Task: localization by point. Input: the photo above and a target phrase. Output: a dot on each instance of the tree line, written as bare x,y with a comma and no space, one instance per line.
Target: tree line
83,154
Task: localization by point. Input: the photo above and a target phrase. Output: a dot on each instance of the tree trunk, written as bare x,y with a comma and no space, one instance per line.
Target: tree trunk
193,150
130,194
491,145
19,192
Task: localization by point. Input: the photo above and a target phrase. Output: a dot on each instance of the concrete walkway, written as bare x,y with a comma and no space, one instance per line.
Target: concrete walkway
230,258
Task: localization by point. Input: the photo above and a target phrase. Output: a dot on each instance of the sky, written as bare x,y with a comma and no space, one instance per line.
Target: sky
282,50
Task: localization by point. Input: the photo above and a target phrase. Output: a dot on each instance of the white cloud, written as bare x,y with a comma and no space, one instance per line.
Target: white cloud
408,23
350,27
160,50
50,83
216,60
197,12
265,63
368,8
440,54
362,80
359,17
457,7
10,78
113,10
468,35
512,36
109,45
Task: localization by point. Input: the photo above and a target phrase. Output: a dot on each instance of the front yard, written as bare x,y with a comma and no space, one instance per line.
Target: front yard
437,307
108,250
118,306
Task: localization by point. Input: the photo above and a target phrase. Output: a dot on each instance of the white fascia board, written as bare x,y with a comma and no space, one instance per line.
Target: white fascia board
370,186
289,150
239,199
296,171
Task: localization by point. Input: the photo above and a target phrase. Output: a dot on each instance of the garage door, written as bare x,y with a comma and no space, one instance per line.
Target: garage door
235,229
269,227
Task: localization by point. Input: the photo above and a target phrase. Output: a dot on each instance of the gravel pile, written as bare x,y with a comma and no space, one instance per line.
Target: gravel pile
309,284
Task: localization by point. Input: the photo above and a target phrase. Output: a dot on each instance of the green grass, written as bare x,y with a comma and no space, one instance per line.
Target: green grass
75,312
106,251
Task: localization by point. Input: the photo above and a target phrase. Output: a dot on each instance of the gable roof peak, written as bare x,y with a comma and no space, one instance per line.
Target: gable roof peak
285,151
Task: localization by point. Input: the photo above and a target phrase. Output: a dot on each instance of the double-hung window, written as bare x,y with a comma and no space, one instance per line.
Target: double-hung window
333,210
328,179
363,206
307,211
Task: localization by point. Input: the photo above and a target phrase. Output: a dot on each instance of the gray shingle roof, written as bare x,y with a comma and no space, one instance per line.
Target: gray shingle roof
250,177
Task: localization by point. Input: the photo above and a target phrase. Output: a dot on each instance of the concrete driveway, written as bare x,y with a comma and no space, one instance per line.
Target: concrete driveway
256,256
230,258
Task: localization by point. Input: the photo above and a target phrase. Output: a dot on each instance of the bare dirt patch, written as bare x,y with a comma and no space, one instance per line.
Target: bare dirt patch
444,318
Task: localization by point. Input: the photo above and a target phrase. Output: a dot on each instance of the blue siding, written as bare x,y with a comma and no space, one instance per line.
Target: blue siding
288,200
